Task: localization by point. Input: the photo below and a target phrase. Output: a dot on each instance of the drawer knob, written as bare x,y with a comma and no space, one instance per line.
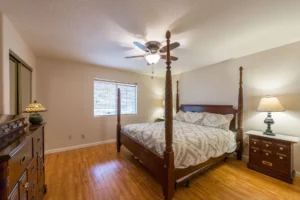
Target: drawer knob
281,148
267,145
267,154
254,142
254,151
280,157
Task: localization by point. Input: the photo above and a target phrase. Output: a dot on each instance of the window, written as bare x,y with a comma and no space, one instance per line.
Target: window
105,98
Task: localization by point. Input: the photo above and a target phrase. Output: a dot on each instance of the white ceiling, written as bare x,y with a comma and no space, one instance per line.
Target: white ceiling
101,32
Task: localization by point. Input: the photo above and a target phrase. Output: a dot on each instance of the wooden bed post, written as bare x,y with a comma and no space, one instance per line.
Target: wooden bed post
169,179
177,97
240,131
119,121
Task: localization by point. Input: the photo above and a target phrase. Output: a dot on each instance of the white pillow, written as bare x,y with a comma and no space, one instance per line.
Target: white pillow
189,117
179,116
217,120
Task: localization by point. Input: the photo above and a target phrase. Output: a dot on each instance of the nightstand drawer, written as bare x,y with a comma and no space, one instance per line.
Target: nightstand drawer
254,150
254,142
281,148
266,145
267,159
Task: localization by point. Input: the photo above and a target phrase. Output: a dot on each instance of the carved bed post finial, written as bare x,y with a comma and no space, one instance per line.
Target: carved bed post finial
177,98
119,121
169,179
240,116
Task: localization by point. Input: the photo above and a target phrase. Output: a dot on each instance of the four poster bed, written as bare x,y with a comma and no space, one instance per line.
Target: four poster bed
158,155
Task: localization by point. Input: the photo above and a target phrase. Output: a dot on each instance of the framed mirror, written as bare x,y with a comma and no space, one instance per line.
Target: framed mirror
20,84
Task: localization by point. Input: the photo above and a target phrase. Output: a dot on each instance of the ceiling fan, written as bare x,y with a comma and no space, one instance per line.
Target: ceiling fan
154,51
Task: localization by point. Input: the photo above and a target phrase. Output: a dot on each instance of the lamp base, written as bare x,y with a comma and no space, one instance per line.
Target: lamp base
269,133
35,119
269,121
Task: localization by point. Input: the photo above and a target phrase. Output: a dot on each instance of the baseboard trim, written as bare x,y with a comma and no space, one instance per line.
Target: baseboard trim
245,158
79,146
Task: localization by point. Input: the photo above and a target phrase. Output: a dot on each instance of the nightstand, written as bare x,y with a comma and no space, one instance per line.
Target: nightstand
272,155
159,120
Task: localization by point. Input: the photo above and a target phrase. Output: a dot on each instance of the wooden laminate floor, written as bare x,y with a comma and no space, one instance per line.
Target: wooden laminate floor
100,173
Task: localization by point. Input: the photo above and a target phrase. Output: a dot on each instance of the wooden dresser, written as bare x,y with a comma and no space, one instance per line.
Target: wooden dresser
272,155
22,175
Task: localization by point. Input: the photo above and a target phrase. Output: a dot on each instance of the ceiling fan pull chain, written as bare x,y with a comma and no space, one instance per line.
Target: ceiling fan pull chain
152,71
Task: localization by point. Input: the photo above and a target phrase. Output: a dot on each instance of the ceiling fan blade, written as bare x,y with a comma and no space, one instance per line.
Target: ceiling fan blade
174,45
135,56
173,58
141,46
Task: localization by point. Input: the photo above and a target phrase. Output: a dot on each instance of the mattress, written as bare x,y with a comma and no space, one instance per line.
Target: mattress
192,144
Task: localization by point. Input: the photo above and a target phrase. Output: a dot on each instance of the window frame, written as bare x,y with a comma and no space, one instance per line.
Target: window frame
116,83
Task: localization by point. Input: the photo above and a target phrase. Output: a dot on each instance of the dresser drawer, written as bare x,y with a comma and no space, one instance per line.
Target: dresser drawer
38,142
19,162
23,185
32,167
40,168
32,187
41,185
14,195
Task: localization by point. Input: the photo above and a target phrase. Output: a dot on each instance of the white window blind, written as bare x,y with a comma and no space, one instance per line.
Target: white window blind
105,98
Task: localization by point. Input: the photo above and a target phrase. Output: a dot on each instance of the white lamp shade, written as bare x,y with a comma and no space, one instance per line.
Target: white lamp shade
270,104
152,58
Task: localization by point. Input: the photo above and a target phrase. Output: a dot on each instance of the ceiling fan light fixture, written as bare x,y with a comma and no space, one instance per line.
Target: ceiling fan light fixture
152,58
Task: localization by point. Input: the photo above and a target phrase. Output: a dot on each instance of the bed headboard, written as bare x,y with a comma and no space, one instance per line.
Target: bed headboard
217,109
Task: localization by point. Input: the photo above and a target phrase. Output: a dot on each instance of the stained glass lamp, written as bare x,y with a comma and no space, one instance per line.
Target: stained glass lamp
34,109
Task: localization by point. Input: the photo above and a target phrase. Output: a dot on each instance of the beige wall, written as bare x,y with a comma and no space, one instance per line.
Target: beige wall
272,72
66,90
11,40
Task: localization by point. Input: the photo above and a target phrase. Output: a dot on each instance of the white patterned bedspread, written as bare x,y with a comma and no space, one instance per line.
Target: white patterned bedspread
193,144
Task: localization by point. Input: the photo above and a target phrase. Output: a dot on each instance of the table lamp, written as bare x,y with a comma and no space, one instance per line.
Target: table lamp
34,109
269,104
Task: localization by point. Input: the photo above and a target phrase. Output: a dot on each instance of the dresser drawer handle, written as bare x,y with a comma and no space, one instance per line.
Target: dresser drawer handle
281,148
267,145
254,142
254,151
267,154
280,157
22,160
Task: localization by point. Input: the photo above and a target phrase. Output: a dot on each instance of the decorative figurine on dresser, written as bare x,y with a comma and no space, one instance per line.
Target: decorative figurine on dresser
22,174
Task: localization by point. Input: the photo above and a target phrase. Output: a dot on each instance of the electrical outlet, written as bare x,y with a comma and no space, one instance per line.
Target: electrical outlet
70,137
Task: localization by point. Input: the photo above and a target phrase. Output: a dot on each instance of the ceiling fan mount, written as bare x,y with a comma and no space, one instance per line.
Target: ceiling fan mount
154,51
152,46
